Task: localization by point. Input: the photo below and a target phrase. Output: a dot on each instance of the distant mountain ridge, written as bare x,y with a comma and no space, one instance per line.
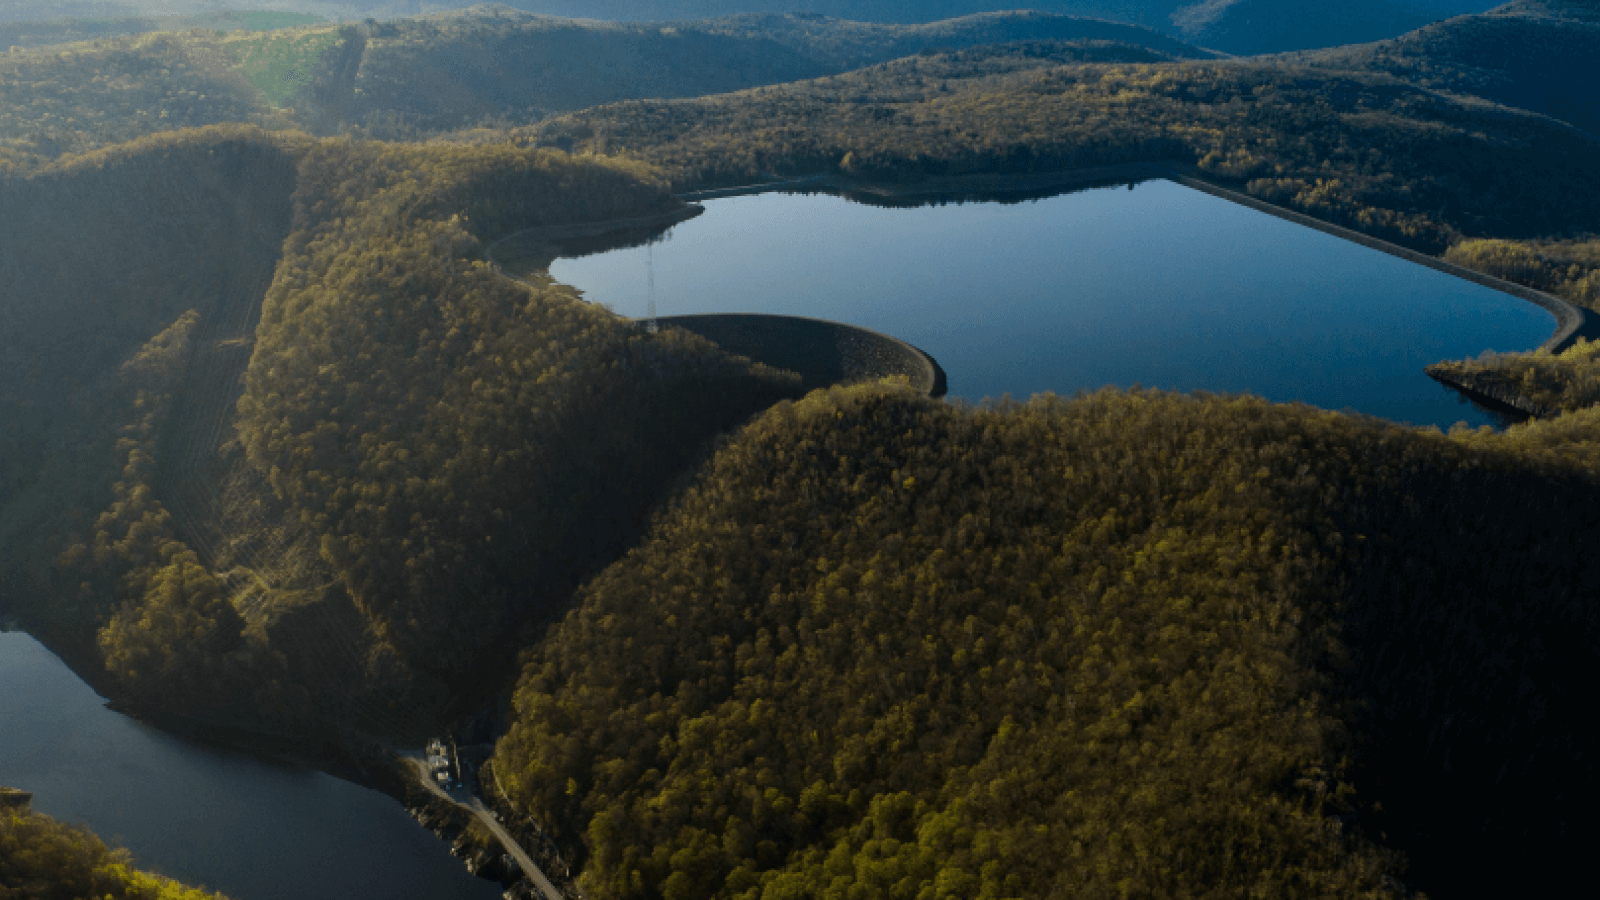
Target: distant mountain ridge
1264,26
493,63
487,65
1241,27
88,28
1579,10
1540,55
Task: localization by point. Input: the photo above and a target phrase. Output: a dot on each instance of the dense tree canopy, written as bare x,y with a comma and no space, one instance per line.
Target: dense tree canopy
293,563
436,74
42,859
78,97
1569,268
1552,383
1127,642
1364,151
396,376
293,454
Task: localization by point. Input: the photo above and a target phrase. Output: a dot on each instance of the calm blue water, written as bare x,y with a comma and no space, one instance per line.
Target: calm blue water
1159,285
234,823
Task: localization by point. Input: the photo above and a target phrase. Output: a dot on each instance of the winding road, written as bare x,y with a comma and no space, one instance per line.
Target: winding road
475,806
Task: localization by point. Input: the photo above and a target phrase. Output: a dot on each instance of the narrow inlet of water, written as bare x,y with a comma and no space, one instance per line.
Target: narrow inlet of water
250,828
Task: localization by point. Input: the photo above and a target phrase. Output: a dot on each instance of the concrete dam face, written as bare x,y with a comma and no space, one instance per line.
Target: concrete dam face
823,353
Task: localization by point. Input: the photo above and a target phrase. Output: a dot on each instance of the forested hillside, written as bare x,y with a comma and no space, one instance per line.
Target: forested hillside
1534,54
83,96
1360,150
1126,643
292,565
1247,27
493,65
289,454
421,76
1567,267
846,45
466,450
123,248
1235,26
53,30
42,859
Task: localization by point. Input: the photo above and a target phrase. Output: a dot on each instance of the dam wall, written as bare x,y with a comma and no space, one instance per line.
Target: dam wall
822,352
1572,322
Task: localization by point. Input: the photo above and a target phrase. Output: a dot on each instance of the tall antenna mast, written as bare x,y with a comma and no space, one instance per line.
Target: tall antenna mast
650,276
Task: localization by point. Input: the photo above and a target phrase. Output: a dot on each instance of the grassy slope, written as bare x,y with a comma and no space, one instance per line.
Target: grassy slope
282,64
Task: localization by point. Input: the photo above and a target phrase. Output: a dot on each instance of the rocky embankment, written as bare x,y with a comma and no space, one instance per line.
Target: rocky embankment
1489,388
12,798
478,849
468,841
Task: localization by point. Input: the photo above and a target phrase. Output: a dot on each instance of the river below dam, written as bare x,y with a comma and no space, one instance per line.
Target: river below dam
1154,284
248,827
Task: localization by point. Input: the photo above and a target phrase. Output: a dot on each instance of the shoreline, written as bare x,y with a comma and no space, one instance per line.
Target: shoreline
1491,395
538,247
1572,322
939,185
534,244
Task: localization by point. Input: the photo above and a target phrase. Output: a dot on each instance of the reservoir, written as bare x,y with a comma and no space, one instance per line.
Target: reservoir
1156,285
235,823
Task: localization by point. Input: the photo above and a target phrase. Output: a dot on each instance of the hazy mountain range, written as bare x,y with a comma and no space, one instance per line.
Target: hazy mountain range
1233,26
1535,54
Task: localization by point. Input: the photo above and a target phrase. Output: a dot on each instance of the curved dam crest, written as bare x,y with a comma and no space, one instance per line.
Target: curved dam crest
821,351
